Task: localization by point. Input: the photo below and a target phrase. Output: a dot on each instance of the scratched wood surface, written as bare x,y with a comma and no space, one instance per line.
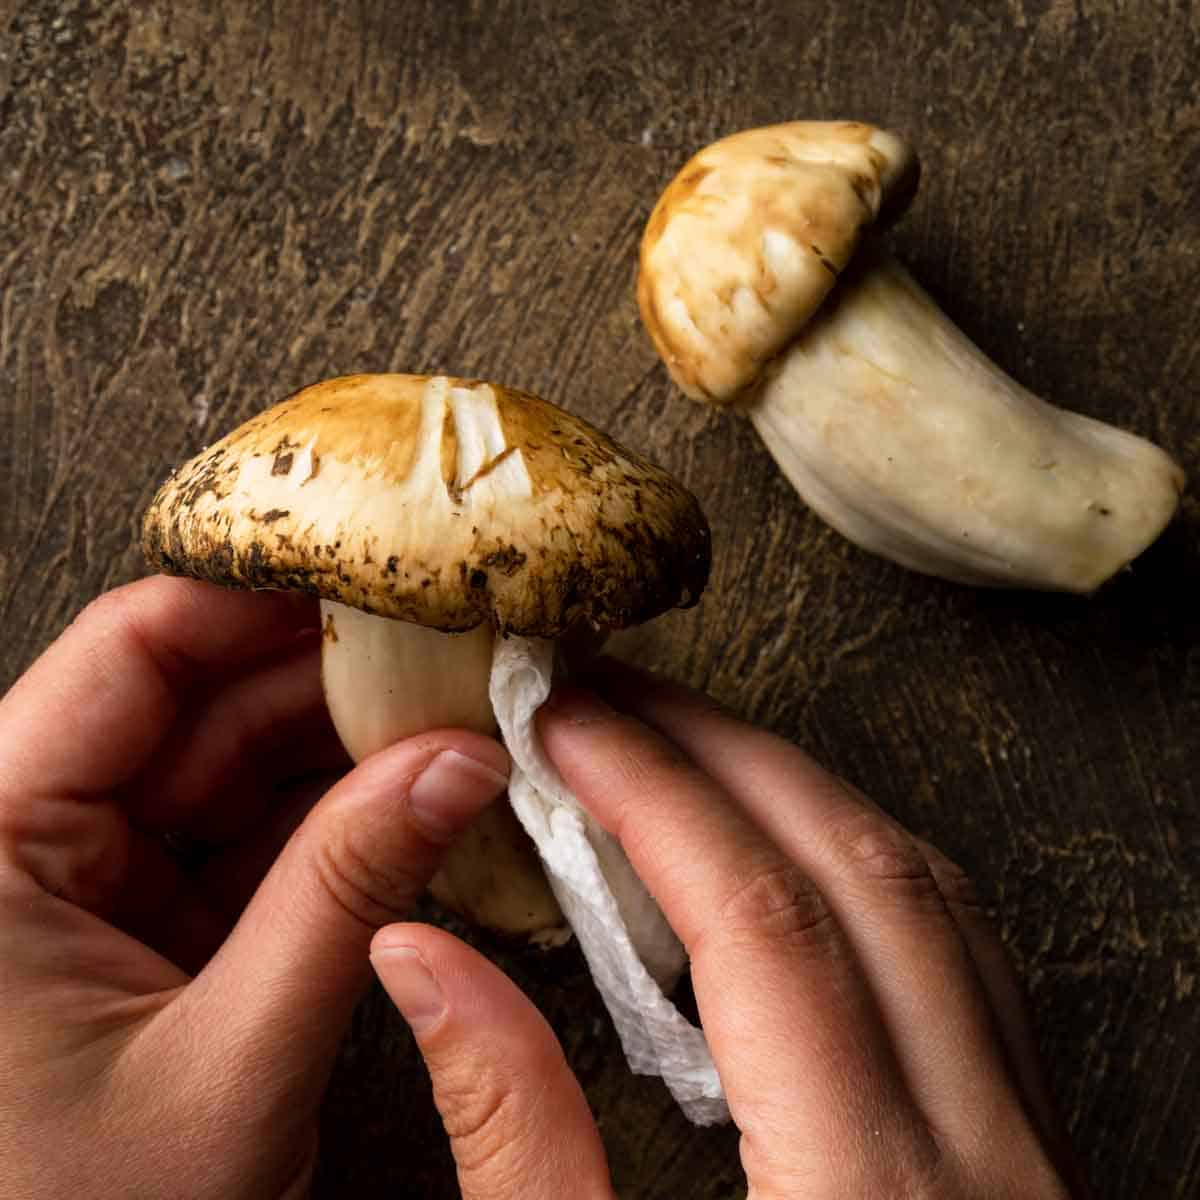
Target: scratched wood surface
206,205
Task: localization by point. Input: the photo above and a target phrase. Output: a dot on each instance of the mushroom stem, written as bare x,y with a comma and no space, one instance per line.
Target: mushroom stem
386,680
907,439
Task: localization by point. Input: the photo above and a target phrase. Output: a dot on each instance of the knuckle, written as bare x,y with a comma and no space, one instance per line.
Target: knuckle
778,903
874,854
957,887
372,891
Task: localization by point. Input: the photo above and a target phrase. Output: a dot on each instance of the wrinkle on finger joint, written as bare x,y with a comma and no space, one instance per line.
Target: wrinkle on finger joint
779,905
490,1124
957,887
871,853
371,893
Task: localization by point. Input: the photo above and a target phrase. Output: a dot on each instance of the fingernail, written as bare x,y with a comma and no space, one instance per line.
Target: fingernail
576,705
410,983
452,790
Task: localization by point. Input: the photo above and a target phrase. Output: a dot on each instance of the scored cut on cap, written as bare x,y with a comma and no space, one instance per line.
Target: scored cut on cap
750,236
442,501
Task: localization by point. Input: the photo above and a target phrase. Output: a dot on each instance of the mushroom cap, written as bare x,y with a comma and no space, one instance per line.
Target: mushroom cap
748,239
445,502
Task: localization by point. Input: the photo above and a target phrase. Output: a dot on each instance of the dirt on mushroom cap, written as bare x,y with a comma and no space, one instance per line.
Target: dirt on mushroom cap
442,501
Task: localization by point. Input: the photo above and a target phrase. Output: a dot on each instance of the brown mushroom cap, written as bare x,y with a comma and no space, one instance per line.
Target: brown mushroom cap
441,501
749,237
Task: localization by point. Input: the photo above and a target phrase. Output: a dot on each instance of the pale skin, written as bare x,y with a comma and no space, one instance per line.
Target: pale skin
169,1029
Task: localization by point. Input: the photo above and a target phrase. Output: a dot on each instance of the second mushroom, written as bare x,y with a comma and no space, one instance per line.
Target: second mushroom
887,420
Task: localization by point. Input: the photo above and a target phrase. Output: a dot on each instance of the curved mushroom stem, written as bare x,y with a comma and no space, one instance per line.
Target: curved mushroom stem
386,680
902,435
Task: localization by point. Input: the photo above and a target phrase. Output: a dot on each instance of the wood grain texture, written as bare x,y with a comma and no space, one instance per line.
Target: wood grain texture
204,206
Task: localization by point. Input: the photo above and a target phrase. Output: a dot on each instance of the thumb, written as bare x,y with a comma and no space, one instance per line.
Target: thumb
266,1014
518,1122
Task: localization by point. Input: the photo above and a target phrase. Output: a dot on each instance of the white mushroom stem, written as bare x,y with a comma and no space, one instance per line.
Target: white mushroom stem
387,680
902,435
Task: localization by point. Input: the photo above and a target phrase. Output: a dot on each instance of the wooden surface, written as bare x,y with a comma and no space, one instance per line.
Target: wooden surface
204,206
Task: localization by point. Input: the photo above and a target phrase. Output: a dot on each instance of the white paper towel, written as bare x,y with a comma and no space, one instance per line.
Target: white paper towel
632,952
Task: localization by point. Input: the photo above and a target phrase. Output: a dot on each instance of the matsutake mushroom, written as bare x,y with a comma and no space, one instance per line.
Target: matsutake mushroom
432,515
888,421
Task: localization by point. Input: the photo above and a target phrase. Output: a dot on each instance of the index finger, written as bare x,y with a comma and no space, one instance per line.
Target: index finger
88,713
790,1018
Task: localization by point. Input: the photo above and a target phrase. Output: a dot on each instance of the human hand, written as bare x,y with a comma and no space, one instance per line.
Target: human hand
168,1032
866,1024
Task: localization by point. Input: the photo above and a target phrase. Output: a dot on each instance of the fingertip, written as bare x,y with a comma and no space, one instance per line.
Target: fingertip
401,936
441,986
446,778
469,982
414,988
486,753
474,993
402,761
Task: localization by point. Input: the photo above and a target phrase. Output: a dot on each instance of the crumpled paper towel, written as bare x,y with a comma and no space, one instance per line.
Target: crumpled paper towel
632,952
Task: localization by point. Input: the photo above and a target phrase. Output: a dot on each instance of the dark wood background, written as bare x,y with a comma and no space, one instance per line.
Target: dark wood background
205,205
